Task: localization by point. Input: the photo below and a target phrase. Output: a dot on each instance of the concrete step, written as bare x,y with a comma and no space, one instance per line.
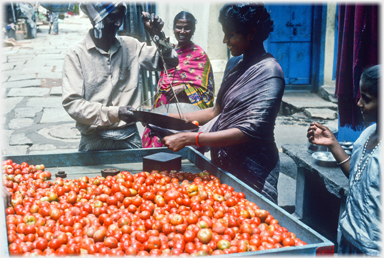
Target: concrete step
327,92
310,104
320,113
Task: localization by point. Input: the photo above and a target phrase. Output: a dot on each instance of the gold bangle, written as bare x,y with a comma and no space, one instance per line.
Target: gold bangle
341,163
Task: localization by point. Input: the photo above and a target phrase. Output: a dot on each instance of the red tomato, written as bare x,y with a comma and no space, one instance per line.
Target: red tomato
288,241
110,242
154,242
195,122
141,236
204,235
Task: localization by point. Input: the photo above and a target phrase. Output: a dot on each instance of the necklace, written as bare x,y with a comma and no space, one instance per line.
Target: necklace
359,168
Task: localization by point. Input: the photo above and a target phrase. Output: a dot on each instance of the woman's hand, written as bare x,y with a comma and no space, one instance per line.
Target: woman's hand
320,135
178,141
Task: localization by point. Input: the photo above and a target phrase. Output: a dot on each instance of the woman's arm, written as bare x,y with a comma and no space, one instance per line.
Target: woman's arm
222,138
321,135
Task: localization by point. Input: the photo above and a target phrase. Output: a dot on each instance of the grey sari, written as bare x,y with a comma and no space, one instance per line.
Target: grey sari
250,98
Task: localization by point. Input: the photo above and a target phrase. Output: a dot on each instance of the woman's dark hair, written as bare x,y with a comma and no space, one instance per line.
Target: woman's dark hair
187,16
241,18
371,79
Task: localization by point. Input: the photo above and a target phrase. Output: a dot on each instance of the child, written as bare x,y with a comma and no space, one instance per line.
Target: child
359,225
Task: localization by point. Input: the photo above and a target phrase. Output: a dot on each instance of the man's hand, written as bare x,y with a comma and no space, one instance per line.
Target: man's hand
126,114
153,24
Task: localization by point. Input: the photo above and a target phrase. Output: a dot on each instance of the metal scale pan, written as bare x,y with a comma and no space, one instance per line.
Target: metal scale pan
163,121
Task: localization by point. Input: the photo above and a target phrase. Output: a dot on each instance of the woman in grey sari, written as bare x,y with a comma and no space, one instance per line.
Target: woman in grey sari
239,128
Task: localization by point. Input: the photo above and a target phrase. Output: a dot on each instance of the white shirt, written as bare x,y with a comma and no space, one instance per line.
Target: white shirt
95,83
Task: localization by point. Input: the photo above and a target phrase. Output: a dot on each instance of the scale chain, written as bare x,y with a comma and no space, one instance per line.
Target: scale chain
181,114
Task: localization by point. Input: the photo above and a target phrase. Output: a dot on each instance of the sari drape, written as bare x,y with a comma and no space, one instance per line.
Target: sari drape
250,98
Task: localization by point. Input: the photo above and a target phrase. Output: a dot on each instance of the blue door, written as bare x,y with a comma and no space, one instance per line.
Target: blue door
291,42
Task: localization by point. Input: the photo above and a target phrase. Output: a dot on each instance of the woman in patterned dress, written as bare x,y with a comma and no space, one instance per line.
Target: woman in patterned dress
192,80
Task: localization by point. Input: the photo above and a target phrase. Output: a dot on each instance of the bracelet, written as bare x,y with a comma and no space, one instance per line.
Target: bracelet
341,163
197,139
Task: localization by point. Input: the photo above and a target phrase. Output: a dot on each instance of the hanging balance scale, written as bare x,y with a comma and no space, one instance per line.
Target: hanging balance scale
162,125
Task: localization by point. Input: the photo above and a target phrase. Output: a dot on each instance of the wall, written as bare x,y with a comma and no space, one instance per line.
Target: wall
208,34
329,44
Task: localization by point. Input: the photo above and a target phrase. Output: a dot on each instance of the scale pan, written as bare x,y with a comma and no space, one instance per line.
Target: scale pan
163,121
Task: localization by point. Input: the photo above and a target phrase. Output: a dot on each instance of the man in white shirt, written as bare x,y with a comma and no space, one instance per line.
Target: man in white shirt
101,78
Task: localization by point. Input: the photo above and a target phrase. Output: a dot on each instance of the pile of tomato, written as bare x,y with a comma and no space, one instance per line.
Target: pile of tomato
145,214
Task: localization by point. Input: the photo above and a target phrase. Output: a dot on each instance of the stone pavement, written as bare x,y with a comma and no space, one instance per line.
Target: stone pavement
34,119
35,122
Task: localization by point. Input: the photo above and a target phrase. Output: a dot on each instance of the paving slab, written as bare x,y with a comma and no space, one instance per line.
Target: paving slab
47,51
307,100
20,57
53,133
20,84
287,165
290,131
21,77
7,66
51,82
44,102
59,69
287,186
36,62
50,75
4,79
16,63
321,113
58,151
27,112
55,115
34,69
43,63
3,91
19,123
65,132
56,91
19,139
10,104
6,135
9,51
14,72
28,92
16,150
42,147
43,56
